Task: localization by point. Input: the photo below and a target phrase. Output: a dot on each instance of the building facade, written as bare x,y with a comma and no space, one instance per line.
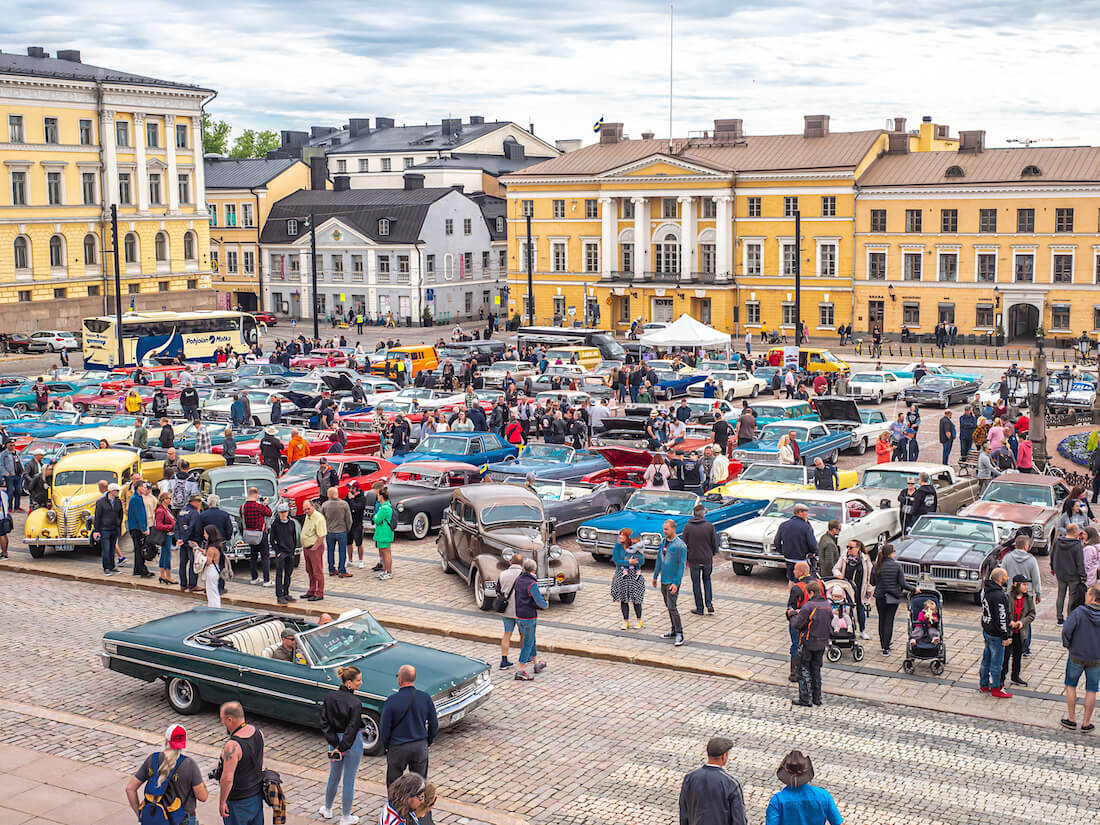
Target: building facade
80,139
239,195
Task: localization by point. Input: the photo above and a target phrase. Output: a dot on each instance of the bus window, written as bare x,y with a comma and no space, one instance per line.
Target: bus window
97,325
248,330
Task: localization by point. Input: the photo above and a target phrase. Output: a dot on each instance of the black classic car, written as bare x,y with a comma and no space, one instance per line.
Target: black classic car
568,504
940,390
421,490
955,553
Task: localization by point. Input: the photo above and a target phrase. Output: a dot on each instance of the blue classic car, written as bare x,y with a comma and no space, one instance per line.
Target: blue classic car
646,511
50,423
938,370
557,461
814,439
767,412
673,384
469,448
57,446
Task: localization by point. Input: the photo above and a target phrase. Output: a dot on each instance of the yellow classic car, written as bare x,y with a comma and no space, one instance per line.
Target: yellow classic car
764,481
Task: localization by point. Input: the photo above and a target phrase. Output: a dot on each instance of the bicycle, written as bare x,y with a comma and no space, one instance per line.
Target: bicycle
1051,470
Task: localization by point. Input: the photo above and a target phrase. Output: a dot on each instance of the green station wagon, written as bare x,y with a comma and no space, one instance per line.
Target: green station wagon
218,655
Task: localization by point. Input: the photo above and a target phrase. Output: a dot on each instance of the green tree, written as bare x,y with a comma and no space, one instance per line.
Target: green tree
215,135
253,144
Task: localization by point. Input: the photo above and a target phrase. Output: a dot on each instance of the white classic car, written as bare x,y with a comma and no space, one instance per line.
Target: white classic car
258,400
876,385
752,542
520,370
843,414
430,399
733,384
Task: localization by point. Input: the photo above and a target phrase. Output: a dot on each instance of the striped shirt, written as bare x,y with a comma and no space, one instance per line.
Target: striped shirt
390,817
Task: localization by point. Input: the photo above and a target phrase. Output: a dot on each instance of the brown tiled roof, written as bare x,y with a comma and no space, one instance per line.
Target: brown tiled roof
1056,164
839,150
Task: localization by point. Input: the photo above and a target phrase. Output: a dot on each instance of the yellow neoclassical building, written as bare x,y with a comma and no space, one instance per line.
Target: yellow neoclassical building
650,229
78,139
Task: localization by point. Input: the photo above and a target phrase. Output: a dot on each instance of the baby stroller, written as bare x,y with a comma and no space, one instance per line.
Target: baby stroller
842,636
924,649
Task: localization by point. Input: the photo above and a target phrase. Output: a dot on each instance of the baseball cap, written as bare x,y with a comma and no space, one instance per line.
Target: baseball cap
1020,577
282,507
113,488
176,737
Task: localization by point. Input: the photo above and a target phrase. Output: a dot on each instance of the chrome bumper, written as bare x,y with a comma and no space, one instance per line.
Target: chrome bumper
73,541
450,713
759,559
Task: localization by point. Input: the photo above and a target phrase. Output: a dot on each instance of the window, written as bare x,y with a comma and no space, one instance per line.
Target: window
1063,269
668,254
122,133
987,266
878,220
152,134
162,286
189,246
469,302
911,266
429,264
22,253
949,220
1025,220
1059,317
247,215
59,292
559,208
357,264
912,220
364,164
467,264
231,214
500,224
485,261
828,208
448,226
90,244
15,128
624,310
231,262
467,226
708,254
161,247
184,186
337,269
987,220
50,130
788,314
1025,268
790,258
125,196
192,283
57,252
87,186
292,227
295,263
527,208
558,256
249,259
1096,317
1097,267
708,208
591,257
827,262
214,259
825,315
910,313
752,312
628,259
591,208
628,208
24,295
19,188
181,135
669,208
154,189
983,316
341,166
213,207
53,187
790,206
384,266
1063,219
93,290
409,163
85,133
403,264
946,313
949,266
502,259
876,266
129,248
386,165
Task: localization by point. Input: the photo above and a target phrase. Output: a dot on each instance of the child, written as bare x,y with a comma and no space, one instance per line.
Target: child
925,631
841,622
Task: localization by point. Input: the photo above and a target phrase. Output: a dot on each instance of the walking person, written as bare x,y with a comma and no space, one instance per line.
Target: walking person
164,524
855,567
800,803
813,621
529,600
947,435
1067,563
342,727
1081,637
408,727
384,532
627,585
967,424
137,524
187,534
107,527
254,515
889,582
996,632
173,781
668,570
709,795
701,542
241,784
337,522
313,548
505,584
283,536
1021,613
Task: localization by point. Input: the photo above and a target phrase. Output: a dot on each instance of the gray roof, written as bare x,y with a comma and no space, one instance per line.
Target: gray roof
360,209
492,207
420,138
492,164
243,173
21,64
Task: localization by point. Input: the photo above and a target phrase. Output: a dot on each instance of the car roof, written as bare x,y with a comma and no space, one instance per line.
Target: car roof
463,434
799,493
1028,478
433,465
913,467
779,403
481,495
238,471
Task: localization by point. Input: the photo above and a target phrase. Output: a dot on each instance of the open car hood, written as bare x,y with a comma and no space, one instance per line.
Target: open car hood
837,409
623,425
625,456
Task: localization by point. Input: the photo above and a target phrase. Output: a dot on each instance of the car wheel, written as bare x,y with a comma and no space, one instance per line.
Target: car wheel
937,668
601,557
861,448
372,738
481,599
730,395
421,524
21,407
80,408
832,654
946,403
567,598
880,398
183,696
37,551
755,390
742,569
834,456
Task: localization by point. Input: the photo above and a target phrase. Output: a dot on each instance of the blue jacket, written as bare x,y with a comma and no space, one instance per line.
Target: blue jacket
804,805
237,413
619,555
220,519
420,722
795,539
908,450
187,526
1081,633
669,567
136,517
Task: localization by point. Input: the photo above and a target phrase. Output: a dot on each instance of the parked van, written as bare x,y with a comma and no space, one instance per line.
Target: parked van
810,359
422,358
587,357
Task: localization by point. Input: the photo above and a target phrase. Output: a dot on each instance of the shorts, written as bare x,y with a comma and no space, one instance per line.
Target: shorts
509,624
1073,675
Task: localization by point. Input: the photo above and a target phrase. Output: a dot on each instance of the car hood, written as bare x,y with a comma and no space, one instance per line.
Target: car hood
526,540
624,425
1016,513
298,488
78,500
837,409
625,456
942,551
762,446
759,489
764,528
638,522
436,670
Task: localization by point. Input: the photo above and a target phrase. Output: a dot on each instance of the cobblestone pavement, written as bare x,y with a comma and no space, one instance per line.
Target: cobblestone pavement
588,742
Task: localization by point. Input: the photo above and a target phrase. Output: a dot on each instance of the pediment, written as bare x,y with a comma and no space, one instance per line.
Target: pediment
335,232
662,166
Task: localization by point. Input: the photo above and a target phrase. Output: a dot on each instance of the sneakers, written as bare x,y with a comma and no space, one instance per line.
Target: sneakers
1019,682
1000,693
505,664
540,666
669,635
637,625
350,819
268,584
626,624
384,576
679,639
524,676
325,813
984,689
255,581
362,564
697,612
377,568
863,634
109,572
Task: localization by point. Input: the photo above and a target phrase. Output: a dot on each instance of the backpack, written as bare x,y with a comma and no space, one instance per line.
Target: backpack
155,808
658,479
179,494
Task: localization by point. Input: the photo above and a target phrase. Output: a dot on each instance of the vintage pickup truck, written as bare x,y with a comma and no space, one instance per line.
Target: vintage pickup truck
883,482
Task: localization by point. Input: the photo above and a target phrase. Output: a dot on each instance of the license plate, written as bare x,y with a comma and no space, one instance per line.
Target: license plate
770,563
458,715
65,548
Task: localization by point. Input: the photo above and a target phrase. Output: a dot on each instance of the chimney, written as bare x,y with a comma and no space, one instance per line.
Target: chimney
611,133
383,123
897,143
513,150
926,119
318,172
728,130
414,180
815,126
72,55
341,183
647,135
358,126
295,139
320,131
972,141
899,124
451,126
36,51
477,120
568,144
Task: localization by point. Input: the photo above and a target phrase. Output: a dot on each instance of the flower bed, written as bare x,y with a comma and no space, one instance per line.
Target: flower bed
1074,448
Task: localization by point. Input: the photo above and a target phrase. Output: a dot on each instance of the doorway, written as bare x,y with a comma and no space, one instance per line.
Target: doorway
876,315
1023,321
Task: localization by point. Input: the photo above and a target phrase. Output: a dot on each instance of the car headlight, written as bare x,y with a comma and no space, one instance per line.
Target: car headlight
725,541
555,552
506,553
1037,531
483,677
51,516
974,574
651,539
89,520
740,454
586,534
401,507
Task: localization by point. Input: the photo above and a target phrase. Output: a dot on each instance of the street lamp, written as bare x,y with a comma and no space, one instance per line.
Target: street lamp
1037,391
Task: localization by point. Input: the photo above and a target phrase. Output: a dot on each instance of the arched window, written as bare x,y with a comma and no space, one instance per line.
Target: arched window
189,246
161,247
1031,171
668,254
57,252
130,248
383,226
22,253
90,244
500,224
954,172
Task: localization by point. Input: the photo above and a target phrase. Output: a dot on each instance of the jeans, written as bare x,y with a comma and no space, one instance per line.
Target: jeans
965,443
1076,592
809,675
259,557
248,811
670,604
633,394
1095,487
861,615
947,451
1014,654
165,562
527,633
107,541
14,488
701,594
284,568
886,613
188,577
411,755
792,651
332,541
344,770
992,658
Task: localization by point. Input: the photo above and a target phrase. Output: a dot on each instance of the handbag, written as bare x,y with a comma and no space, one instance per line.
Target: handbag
157,537
6,525
500,601
198,564
252,537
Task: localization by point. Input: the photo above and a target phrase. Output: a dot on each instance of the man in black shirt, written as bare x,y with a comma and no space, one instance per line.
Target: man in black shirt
401,435
579,433
825,475
271,449
722,431
284,540
242,779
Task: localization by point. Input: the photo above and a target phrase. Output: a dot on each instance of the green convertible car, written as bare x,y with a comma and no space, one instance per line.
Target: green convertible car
217,655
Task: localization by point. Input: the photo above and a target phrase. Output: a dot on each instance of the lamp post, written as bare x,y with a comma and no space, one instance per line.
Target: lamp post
1037,432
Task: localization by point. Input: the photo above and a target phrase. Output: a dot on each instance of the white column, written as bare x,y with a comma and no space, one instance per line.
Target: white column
641,237
608,250
173,182
110,157
687,238
722,235
142,173
198,181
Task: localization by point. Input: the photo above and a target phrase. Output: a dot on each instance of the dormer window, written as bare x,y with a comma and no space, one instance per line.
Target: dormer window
500,224
292,227
954,172
1031,171
383,226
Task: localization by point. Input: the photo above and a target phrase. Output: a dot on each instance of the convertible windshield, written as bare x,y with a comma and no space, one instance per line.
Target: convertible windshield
931,383
424,479
58,417
396,405
886,479
547,454
654,501
511,514
951,528
443,444
819,510
546,490
344,639
779,474
1038,495
310,387
866,378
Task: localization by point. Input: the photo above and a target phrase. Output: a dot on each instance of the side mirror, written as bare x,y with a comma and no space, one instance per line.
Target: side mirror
884,503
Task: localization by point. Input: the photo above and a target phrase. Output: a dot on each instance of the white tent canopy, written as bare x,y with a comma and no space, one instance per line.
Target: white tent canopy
685,331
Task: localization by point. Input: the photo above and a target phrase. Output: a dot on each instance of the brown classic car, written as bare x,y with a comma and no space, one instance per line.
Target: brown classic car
485,524
1023,500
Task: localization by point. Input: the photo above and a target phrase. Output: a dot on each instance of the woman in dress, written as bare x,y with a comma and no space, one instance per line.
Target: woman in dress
212,572
628,585
383,533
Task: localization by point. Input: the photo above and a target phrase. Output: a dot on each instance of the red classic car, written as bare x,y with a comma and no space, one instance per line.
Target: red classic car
299,484
319,358
110,400
628,465
122,379
319,441
265,317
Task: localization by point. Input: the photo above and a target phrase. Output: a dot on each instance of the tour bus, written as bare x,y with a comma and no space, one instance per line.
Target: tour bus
150,338
601,339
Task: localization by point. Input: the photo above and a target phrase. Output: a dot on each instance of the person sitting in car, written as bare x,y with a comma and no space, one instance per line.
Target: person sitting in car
285,649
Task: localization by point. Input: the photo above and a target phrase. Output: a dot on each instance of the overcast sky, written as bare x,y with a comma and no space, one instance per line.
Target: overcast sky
1016,69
